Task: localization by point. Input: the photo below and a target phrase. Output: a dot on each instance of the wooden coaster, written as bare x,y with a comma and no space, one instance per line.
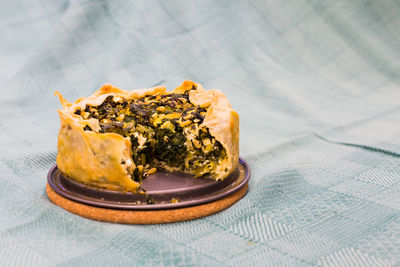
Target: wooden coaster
148,216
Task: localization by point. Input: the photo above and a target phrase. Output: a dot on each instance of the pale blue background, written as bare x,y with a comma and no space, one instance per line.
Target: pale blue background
317,87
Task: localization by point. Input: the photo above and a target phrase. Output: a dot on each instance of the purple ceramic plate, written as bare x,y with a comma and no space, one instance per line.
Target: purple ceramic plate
165,190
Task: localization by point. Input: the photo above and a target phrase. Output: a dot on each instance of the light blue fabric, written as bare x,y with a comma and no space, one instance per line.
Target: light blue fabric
317,88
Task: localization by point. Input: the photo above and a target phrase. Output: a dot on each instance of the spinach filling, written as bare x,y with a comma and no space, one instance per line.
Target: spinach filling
170,146
165,131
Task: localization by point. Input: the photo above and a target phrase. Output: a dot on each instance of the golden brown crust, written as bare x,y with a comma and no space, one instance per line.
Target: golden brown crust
94,158
223,123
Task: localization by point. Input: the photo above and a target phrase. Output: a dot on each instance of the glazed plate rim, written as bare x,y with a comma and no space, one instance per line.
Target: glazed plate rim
78,194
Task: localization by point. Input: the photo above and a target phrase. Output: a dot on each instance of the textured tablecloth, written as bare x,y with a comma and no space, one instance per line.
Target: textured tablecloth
317,87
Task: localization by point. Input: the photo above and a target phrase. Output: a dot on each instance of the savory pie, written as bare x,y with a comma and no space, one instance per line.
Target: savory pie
115,138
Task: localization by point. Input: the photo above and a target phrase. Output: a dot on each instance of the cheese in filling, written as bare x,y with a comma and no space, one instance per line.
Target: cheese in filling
165,131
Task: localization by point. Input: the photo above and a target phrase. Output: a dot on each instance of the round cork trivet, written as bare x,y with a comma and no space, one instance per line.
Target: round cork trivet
147,216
